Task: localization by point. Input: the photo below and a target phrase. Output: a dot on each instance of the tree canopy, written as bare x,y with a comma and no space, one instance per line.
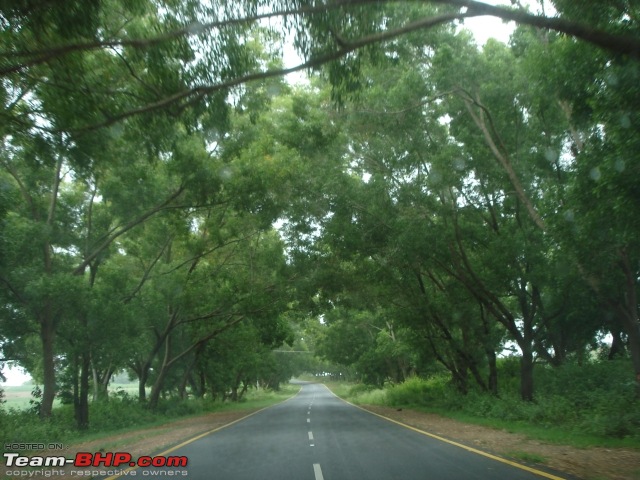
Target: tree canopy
170,206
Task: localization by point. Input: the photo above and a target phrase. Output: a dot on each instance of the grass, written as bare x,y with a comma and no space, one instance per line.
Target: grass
546,433
123,415
527,457
341,389
17,397
553,419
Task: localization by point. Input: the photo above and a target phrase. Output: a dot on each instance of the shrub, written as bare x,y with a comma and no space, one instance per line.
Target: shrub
359,389
176,407
596,398
435,390
377,396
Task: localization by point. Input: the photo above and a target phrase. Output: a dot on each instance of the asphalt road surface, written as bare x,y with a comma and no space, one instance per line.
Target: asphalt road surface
317,436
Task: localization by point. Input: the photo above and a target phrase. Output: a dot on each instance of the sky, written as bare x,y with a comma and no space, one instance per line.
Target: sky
482,28
15,377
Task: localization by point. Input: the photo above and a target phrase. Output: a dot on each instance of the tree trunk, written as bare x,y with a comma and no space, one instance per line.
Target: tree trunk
214,391
460,376
617,344
101,383
143,376
490,353
162,374
82,415
47,321
47,337
630,317
234,388
142,371
96,393
154,397
526,373
76,387
103,392
493,371
245,386
182,388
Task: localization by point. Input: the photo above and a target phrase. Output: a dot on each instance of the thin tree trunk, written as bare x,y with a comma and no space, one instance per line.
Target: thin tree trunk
490,353
526,372
617,345
47,322
500,153
104,383
630,317
47,338
143,376
76,387
94,373
493,371
82,416
162,374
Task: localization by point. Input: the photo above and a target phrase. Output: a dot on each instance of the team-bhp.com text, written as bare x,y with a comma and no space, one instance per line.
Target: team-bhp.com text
117,460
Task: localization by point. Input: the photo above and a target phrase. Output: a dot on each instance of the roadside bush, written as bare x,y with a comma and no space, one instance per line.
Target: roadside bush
435,390
555,410
20,426
414,391
172,408
122,411
365,394
359,389
589,386
118,413
377,396
593,398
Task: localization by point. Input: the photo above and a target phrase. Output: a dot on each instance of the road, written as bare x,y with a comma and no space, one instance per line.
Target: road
317,436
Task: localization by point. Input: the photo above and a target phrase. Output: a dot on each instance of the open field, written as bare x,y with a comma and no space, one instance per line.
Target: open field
18,397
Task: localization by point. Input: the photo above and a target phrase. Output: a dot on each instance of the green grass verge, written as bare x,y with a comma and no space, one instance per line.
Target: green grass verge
548,434
556,434
121,416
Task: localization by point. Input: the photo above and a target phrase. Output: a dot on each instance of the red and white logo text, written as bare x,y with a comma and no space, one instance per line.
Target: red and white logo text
98,459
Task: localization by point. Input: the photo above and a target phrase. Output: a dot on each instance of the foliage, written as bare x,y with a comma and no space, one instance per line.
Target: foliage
458,202
35,402
595,399
121,412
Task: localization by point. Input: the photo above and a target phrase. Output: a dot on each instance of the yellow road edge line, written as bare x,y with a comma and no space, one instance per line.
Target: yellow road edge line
451,442
199,436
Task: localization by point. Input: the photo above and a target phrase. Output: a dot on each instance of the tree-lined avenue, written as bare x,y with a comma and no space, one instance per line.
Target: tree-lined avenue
316,435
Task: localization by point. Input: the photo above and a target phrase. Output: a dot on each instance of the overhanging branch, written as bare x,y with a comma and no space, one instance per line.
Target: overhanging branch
197,93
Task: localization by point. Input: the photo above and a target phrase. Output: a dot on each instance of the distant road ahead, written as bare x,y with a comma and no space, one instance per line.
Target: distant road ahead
317,436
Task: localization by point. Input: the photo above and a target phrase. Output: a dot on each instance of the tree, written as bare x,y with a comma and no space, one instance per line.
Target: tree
119,155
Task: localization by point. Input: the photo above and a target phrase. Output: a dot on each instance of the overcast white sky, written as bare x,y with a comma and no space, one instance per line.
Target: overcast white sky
487,27
484,28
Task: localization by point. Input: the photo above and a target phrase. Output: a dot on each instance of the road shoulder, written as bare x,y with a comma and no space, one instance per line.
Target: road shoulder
588,463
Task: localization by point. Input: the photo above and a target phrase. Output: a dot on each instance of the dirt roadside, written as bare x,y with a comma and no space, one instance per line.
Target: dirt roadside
587,464
145,441
583,463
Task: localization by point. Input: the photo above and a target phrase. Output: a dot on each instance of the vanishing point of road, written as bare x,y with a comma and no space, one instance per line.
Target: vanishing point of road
317,436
